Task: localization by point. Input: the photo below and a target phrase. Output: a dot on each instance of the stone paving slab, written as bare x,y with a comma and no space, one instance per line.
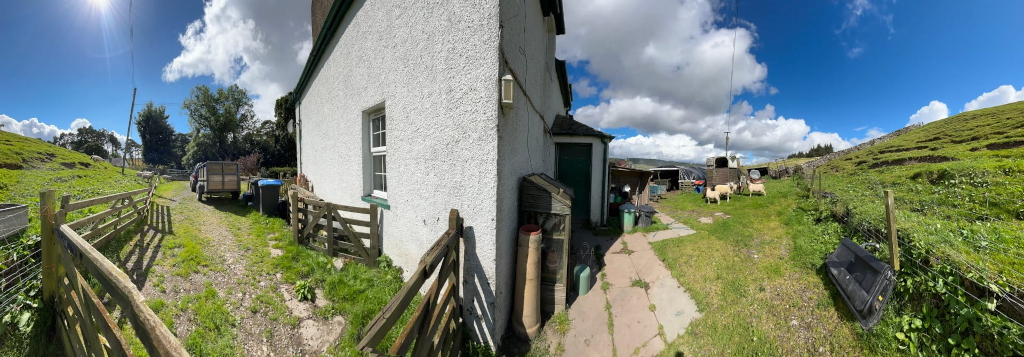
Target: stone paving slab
670,233
664,218
674,307
619,270
648,267
634,323
653,347
588,334
637,242
615,246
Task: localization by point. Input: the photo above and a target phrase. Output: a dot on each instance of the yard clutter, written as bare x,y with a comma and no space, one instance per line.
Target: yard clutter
526,309
863,280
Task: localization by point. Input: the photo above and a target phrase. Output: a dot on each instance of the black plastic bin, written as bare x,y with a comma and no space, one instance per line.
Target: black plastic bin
645,216
864,281
267,195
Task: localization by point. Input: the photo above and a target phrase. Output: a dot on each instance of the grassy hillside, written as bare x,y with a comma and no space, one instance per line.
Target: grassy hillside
29,165
957,186
960,205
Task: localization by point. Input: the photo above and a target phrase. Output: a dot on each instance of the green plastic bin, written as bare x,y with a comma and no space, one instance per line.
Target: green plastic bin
628,215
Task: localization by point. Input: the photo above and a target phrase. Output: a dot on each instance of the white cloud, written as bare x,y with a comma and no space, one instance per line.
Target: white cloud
854,10
34,128
933,111
253,43
1002,95
855,52
872,133
583,88
667,77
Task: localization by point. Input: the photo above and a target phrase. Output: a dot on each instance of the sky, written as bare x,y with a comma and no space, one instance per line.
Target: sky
666,77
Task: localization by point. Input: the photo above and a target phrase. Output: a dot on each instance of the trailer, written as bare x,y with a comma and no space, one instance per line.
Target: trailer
722,170
218,177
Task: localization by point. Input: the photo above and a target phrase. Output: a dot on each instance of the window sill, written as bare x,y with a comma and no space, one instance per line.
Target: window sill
380,202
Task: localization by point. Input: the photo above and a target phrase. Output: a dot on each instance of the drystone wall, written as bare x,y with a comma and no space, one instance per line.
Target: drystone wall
813,164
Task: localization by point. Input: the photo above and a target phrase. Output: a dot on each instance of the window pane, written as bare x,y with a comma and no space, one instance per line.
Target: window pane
376,141
383,138
378,164
376,125
383,123
378,183
384,179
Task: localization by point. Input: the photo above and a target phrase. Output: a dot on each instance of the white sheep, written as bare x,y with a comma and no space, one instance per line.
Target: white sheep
96,158
756,187
713,195
724,190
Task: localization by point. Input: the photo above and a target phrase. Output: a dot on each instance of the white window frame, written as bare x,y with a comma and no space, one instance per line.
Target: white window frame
378,151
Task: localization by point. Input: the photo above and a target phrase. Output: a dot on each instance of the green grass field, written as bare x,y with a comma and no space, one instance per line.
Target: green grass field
28,166
757,279
957,190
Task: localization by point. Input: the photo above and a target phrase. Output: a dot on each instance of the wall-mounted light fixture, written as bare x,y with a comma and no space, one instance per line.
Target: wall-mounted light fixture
507,89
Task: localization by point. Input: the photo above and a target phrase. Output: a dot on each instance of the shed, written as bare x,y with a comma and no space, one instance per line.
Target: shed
763,170
638,181
670,174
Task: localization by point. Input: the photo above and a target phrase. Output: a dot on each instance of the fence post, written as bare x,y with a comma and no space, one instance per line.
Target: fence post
374,234
47,201
293,199
890,218
821,190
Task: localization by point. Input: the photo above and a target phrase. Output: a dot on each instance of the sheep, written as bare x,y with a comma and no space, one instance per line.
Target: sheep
724,190
96,158
756,187
713,195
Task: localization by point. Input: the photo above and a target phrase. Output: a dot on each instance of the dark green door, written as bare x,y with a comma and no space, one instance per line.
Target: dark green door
574,171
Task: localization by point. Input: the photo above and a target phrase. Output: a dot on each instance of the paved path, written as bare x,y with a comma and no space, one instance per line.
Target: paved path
642,298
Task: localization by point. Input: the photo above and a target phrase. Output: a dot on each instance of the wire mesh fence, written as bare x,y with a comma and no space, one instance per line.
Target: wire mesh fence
970,243
20,262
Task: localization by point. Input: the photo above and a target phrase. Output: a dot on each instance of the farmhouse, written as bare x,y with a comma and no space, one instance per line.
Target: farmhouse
421,109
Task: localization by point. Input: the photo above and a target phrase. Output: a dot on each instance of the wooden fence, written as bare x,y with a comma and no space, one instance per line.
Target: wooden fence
435,326
321,225
84,325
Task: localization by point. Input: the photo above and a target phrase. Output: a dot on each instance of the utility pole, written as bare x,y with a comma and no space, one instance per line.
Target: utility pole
131,112
727,144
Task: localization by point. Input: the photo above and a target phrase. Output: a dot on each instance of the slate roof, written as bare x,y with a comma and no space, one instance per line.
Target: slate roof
566,125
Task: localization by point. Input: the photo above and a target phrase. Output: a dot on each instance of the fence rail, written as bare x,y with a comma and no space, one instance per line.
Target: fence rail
323,226
84,325
435,326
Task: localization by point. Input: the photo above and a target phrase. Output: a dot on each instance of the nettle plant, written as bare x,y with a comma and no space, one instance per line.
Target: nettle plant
943,319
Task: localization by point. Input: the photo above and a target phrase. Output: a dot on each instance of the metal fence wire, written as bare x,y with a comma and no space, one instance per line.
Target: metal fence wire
975,244
20,264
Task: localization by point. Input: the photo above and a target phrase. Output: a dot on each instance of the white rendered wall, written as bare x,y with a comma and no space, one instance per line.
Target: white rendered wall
525,145
435,71
598,167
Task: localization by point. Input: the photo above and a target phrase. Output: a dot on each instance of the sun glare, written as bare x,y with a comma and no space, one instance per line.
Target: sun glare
102,4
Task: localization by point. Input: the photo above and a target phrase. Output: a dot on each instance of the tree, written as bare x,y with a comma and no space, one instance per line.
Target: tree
132,150
181,141
218,120
88,141
156,134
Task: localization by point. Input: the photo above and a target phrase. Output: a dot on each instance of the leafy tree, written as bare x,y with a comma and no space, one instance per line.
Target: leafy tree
816,151
156,134
219,120
181,141
132,149
89,141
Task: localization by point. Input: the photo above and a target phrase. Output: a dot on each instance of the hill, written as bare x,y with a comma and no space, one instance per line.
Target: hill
28,166
642,163
957,190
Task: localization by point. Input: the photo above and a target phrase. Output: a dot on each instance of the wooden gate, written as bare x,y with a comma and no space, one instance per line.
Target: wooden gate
322,226
435,326
84,325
